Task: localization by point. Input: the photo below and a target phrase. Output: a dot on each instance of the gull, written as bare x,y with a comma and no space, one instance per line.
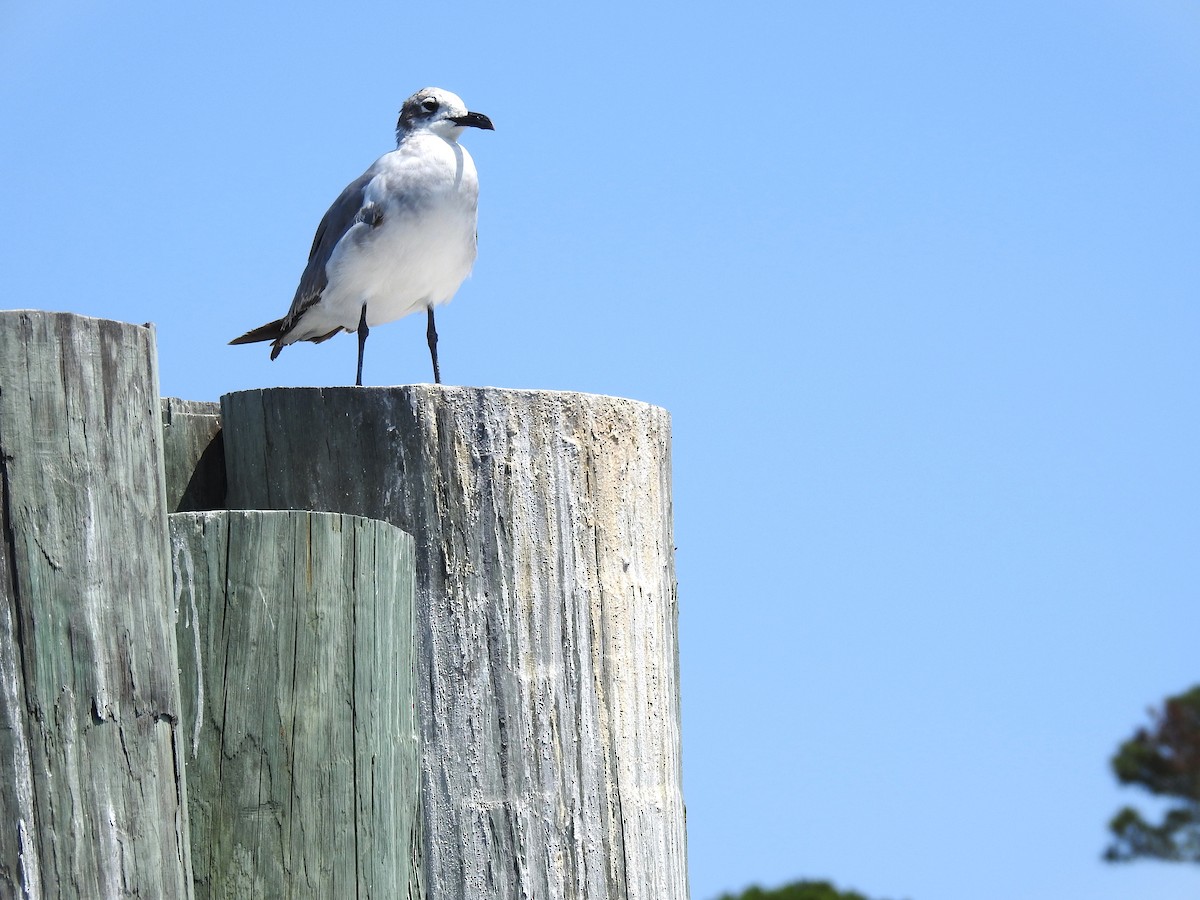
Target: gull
400,238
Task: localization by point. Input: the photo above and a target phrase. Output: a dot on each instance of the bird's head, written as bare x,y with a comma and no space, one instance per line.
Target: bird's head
440,112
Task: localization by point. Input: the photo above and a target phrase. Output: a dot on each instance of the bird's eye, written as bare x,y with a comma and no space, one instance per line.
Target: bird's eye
429,105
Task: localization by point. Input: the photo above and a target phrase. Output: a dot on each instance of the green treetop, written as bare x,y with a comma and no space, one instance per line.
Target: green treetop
798,890
1165,760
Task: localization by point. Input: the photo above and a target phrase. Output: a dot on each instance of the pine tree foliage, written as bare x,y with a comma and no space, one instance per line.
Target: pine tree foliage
798,890
1164,760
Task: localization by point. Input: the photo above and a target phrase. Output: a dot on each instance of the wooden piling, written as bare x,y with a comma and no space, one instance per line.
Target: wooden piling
547,704
93,800
296,653
193,455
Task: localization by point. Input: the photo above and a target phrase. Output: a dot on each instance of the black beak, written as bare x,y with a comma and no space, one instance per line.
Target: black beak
474,120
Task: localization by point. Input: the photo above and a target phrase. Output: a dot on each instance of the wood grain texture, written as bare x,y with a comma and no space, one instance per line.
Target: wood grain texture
296,654
193,455
547,701
93,791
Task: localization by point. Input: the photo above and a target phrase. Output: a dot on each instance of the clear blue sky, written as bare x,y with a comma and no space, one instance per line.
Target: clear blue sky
918,282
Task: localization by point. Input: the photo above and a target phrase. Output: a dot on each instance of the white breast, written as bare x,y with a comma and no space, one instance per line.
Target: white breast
423,248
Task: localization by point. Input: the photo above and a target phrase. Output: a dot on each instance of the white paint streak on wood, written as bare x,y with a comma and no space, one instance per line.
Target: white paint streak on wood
187,620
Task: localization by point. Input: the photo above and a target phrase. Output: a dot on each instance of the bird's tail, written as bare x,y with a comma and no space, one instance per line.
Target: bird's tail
268,332
272,331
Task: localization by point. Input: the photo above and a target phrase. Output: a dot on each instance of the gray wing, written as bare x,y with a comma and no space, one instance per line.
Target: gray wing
348,209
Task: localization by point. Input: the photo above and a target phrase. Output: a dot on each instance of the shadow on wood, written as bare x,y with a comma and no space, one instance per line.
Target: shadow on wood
193,455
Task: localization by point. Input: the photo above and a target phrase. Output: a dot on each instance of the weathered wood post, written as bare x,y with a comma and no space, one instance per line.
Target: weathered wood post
93,801
296,652
547,704
193,455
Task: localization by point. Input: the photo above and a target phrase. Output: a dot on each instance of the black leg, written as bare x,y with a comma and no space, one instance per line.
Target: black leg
363,331
431,336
